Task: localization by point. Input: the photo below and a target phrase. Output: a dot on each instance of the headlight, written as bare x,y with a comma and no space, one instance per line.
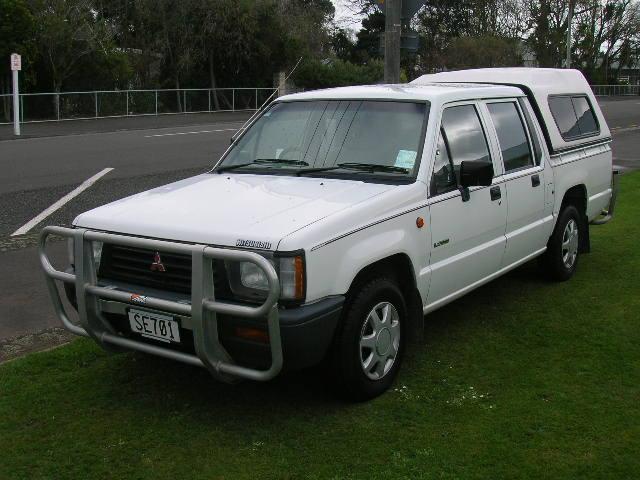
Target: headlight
97,253
249,282
252,276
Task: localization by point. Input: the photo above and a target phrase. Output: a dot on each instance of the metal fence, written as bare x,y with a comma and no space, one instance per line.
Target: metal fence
615,90
43,107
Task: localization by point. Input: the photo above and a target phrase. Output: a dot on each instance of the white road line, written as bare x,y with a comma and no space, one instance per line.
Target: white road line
190,133
69,196
625,129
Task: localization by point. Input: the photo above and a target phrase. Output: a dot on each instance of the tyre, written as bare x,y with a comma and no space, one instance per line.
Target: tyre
369,345
561,258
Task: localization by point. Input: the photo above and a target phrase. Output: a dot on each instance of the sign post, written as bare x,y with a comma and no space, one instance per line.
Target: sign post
16,65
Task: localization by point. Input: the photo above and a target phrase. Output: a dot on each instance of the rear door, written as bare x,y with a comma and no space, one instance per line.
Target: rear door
521,157
468,237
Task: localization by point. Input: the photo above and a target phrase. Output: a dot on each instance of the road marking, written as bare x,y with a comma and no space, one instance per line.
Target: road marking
625,129
190,133
69,196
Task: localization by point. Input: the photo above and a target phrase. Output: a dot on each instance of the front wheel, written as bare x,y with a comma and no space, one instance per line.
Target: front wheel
368,348
561,258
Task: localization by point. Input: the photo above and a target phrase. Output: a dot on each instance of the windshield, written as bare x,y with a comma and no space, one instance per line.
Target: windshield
336,137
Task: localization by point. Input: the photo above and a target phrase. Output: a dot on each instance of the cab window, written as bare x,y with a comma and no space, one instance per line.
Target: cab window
461,139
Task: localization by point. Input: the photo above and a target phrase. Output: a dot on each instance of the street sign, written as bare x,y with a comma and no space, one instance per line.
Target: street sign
409,41
16,62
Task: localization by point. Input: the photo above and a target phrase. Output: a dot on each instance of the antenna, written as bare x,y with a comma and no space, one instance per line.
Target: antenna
248,122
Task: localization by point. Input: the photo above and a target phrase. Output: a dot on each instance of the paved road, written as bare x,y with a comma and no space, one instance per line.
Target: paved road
39,170
623,117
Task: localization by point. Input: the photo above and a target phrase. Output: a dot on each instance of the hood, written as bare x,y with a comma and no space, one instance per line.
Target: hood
229,209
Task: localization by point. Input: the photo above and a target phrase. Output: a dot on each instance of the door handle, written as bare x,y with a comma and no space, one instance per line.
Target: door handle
496,194
535,180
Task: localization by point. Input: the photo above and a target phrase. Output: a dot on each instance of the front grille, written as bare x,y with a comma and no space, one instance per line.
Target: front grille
134,266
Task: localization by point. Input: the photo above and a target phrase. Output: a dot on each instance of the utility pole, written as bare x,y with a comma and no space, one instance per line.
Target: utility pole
392,31
572,5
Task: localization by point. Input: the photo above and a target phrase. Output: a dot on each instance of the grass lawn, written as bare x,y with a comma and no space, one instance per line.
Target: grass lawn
520,379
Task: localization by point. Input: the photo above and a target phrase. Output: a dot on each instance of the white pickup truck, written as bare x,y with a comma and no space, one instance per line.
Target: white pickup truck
338,218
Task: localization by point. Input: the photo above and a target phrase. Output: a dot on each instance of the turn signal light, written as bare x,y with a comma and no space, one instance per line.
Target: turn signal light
292,278
253,334
299,269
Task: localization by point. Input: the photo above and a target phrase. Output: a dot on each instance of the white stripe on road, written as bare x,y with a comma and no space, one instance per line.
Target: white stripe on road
190,133
69,196
630,128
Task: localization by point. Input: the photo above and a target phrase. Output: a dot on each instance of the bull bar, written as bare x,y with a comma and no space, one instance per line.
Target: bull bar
203,310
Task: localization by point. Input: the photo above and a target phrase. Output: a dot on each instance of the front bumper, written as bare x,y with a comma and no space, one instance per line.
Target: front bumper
306,331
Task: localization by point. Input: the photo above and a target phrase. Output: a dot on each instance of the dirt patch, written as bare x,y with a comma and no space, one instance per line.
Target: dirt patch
33,342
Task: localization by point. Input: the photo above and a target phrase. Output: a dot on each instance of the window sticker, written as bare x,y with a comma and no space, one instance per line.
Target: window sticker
406,159
278,152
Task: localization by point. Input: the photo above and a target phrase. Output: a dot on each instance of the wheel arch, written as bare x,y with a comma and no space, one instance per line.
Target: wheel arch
398,267
577,196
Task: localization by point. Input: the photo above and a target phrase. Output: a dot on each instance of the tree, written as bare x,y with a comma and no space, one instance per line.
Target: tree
16,36
67,31
438,23
606,34
482,51
368,38
342,44
336,73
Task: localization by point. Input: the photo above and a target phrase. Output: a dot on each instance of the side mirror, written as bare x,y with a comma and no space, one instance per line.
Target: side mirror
476,174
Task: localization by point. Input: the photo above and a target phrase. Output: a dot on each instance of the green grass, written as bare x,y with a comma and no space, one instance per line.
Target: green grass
520,379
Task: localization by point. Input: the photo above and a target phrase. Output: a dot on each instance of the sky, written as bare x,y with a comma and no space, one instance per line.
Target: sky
345,17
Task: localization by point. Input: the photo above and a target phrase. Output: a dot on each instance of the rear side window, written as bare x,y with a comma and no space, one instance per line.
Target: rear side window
574,116
524,104
586,120
461,139
512,135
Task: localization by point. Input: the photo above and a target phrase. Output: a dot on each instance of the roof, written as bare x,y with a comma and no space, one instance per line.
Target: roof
538,84
548,80
437,91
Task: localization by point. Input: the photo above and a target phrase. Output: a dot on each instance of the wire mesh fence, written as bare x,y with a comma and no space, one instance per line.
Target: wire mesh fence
41,107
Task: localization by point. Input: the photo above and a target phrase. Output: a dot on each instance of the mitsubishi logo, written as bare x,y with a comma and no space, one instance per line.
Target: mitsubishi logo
157,265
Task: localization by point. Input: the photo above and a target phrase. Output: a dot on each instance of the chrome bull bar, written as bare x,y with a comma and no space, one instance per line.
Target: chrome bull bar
210,353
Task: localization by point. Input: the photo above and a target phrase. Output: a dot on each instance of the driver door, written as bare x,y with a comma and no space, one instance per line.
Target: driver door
468,236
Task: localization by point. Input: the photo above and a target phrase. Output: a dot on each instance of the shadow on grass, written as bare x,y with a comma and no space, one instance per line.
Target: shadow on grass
158,382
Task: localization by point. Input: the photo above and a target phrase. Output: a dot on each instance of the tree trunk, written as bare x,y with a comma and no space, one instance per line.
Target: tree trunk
212,77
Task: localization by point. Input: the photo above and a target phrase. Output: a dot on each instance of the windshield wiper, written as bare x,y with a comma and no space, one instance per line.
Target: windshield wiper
262,161
370,167
373,167
285,161
302,171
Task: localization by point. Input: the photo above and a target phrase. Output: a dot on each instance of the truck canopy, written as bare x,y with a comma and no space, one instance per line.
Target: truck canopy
564,103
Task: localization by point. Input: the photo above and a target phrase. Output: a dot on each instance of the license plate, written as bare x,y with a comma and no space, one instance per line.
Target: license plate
155,326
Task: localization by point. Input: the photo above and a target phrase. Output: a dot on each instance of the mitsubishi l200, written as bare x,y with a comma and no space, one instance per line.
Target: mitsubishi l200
337,219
